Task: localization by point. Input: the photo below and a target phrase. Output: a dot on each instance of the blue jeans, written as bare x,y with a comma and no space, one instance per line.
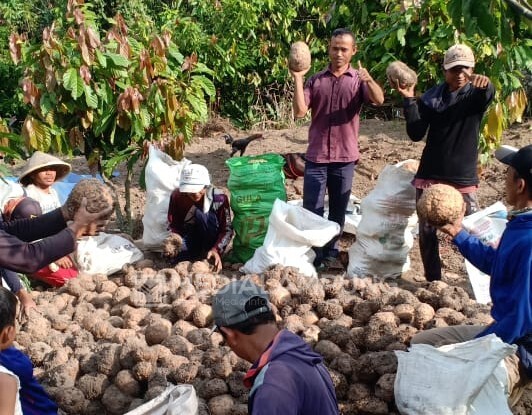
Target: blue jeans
337,179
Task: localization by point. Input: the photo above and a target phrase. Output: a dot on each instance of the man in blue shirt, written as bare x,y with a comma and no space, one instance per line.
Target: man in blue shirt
510,268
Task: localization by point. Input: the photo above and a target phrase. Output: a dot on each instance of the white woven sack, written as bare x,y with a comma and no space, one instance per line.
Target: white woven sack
466,378
105,253
385,232
174,400
162,177
292,232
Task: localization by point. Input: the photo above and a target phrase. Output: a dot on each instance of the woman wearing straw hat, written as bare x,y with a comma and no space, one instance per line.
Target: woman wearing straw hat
38,175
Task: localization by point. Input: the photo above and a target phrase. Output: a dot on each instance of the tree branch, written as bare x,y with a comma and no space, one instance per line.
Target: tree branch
519,8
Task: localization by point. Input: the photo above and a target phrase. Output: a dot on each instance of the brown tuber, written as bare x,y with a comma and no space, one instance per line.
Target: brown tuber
214,387
423,314
93,385
327,349
115,401
70,400
221,405
399,72
98,197
299,58
440,204
157,331
172,245
202,315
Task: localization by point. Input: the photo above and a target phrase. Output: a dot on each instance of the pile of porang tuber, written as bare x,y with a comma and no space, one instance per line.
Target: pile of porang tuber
106,345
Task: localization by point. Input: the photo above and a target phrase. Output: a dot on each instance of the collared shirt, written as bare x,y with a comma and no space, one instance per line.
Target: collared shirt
335,104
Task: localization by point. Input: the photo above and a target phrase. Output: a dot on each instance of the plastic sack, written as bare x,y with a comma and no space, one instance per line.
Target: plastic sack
175,400
292,232
385,232
162,177
353,214
487,225
9,189
458,379
105,253
255,182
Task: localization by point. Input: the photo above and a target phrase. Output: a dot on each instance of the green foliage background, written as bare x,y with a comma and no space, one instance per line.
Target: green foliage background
246,42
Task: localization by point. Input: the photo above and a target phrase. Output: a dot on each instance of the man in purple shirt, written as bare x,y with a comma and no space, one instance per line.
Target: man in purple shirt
334,96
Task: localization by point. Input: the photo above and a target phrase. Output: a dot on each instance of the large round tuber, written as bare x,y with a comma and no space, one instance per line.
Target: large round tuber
299,57
214,387
221,405
399,72
93,385
115,401
157,331
70,399
440,204
98,197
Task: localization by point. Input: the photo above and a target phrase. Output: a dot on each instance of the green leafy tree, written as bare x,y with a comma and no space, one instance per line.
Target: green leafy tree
246,43
108,94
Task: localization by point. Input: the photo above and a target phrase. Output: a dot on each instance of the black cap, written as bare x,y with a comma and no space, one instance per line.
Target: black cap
520,160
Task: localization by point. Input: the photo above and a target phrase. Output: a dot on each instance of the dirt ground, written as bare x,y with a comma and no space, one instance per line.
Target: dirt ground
381,143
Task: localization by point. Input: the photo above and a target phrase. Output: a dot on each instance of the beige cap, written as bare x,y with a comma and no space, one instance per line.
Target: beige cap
37,161
194,178
458,55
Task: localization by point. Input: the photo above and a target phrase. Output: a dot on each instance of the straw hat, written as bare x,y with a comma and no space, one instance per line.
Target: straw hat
39,160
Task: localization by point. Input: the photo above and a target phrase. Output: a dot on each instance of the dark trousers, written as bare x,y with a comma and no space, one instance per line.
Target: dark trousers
200,236
337,179
428,239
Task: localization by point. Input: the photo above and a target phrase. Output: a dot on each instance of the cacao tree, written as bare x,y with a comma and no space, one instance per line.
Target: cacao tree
108,94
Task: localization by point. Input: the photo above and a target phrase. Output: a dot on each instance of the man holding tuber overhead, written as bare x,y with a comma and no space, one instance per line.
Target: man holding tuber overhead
510,268
335,97
286,377
450,115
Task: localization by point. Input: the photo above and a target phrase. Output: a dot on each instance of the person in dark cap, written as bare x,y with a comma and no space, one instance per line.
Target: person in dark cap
449,114
287,376
510,268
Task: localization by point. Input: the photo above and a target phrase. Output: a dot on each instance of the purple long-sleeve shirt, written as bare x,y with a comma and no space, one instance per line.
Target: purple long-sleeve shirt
18,253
